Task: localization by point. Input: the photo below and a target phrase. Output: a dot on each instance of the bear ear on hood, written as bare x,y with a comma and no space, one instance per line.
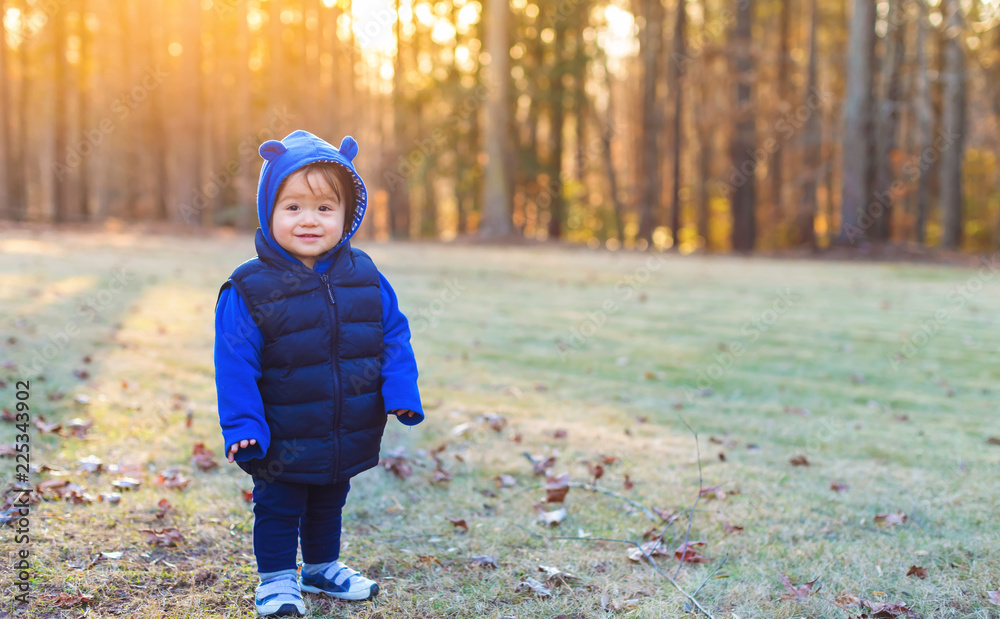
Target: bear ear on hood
271,149
349,148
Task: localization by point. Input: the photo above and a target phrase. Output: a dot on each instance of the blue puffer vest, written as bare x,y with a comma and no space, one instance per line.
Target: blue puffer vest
321,366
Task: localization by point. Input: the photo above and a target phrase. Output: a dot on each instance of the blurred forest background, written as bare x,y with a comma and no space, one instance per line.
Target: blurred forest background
687,124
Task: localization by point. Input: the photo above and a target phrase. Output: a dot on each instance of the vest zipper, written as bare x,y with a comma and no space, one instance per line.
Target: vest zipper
336,374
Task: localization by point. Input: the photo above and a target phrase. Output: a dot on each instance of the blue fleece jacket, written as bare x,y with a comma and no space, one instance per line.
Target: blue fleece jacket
239,341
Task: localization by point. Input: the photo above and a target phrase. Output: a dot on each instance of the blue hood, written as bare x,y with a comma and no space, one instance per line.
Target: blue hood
297,149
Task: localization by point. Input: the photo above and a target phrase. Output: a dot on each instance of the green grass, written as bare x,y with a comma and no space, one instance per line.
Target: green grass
817,380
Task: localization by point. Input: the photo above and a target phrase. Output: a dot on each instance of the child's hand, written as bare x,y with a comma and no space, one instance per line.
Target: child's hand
399,412
236,447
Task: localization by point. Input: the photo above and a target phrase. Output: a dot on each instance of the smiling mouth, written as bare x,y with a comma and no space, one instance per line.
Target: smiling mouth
308,236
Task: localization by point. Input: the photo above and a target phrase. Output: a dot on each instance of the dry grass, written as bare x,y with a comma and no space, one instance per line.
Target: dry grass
817,381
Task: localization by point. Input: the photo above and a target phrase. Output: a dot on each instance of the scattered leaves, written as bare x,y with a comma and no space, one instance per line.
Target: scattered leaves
169,536
172,477
596,472
796,593
651,549
530,585
396,462
994,597
496,422
539,465
552,518
880,610
485,561
555,576
890,519
202,458
688,552
126,483
610,604
163,507
505,481
731,528
67,600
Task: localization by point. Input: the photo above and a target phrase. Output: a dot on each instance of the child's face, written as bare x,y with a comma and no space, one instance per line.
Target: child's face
304,223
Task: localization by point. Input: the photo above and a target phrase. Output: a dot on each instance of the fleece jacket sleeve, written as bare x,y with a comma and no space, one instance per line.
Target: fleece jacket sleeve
399,367
238,344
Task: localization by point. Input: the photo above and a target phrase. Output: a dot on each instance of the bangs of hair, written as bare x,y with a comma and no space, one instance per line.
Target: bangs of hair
337,177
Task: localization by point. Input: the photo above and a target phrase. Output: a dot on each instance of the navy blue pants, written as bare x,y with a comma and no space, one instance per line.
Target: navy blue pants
284,512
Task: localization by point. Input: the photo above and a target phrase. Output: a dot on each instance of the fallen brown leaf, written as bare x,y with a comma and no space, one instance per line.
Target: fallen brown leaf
530,585
799,460
459,522
796,593
556,488
485,561
688,552
919,572
169,536
890,519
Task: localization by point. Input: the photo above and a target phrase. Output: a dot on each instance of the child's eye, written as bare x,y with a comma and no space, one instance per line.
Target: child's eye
291,206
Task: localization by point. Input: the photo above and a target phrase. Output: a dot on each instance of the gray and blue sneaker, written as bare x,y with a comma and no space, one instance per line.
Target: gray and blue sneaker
340,581
280,596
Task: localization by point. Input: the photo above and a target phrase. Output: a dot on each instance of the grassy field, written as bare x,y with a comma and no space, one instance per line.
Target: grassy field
884,377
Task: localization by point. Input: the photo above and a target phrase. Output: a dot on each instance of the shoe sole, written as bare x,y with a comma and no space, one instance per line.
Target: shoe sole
360,595
286,609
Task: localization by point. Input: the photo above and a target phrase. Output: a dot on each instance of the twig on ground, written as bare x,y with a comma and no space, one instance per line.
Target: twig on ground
709,577
631,543
687,534
593,488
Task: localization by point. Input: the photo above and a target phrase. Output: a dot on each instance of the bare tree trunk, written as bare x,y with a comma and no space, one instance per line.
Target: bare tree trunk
856,179
83,97
812,136
784,106
557,117
607,134
925,124
245,181
157,129
952,129
888,125
650,43
497,205
191,156
679,83
399,186
6,194
744,134
18,171
60,171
